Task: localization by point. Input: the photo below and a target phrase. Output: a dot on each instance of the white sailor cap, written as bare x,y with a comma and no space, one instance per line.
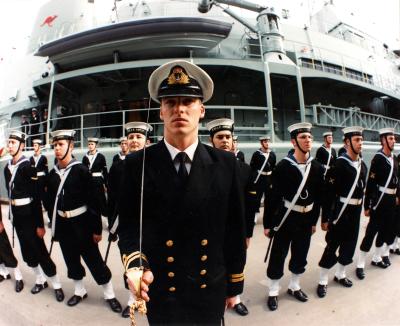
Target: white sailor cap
18,135
386,131
37,141
219,124
235,138
327,133
349,132
138,127
298,128
121,139
66,134
93,140
262,138
180,78
34,109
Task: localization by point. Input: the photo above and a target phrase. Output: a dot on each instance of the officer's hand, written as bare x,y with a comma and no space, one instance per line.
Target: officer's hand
324,226
40,232
247,243
147,279
266,232
313,229
96,238
366,212
1,227
112,237
230,302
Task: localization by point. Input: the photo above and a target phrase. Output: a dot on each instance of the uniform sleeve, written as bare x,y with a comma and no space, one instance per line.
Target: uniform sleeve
371,190
272,160
318,156
235,245
104,170
30,174
46,165
274,196
253,161
94,212
85,161
250,204
320,195
129,208
332,182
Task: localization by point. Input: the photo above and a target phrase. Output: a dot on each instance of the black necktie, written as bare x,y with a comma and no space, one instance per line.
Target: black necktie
183,175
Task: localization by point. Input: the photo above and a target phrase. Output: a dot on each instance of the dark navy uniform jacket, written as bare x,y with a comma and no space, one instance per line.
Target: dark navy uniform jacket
99,165
42,165
258,158
193,239
322,156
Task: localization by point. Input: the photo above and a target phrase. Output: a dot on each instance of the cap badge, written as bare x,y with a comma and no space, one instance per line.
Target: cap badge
178,76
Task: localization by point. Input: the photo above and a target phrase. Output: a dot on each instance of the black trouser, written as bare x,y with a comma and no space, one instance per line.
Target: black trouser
298,237
382,221
262,186
33,248
342,236
76,241
397,222
6,253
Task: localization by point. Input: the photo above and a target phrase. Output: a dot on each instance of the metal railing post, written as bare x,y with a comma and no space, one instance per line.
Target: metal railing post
82,131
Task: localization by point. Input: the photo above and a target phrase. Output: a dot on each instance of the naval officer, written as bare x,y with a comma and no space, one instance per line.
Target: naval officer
76,223
291,212
25,213
342,209
193,239
380,204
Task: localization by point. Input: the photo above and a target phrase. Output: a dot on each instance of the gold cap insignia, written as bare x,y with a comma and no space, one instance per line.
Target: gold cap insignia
178,76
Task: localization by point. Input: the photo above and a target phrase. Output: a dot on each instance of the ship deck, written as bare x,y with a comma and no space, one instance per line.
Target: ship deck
372,301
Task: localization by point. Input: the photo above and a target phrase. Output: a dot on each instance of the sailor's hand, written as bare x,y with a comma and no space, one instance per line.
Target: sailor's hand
366,212
147,279
397,201
1,227
96,238
230,302
266,232
325,226
40,232
313,229
247,243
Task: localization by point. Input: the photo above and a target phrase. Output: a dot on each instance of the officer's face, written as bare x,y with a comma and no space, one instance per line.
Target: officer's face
390,141
12,146
181,116
61,147
36,148
91,146
124,146
223,140
136,141
305,140
329,139
356,142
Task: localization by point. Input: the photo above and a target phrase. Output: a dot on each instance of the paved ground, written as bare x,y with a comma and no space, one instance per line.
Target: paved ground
373,301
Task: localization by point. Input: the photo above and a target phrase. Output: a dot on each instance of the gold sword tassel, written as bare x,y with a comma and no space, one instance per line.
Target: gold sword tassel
135,276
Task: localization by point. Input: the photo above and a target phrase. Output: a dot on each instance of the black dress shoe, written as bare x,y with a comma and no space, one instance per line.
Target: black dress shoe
360,273
19,285
386,260
75,299
241,309
39,287
126,313
322,290
344,281
299,295
272,302
380,264
114,305
2,278
59,295
391,251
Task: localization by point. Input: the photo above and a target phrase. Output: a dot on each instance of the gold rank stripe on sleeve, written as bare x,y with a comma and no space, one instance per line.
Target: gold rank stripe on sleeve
234,278
128,259
252,192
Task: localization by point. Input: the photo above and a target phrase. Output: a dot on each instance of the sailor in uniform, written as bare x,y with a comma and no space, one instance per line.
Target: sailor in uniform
39,161
221,137
76,224
193,239
238,153
380,204
343,150
326,155
8,260
136,132
97,165
263,162
342,209
25,213
395,247
291,212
